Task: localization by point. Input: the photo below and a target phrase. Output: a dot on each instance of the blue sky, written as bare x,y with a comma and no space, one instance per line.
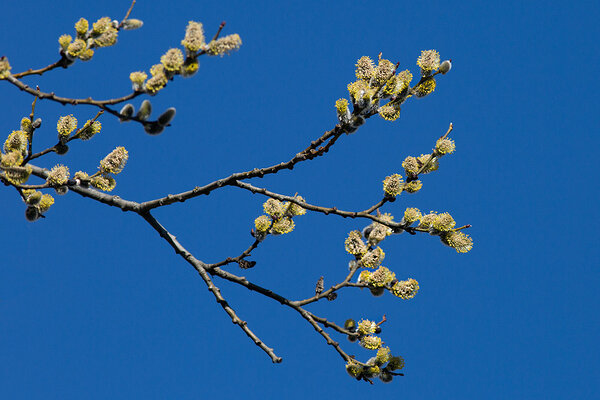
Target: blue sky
94,304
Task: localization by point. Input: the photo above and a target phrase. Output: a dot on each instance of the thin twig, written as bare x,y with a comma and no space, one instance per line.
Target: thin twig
53,148
326,293
431,156
59,63
336,345
237,259
30,144
126,15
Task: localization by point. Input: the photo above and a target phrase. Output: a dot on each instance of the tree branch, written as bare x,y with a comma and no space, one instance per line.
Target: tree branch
309,153
200,267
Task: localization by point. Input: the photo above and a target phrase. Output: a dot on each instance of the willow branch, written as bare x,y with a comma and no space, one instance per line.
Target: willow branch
126,15
326,293
67,100
332,325
200,267
237,259
309,153
336,345
60,63
311,207
431,156
113,201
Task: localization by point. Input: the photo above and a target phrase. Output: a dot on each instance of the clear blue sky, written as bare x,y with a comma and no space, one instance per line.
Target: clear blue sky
94,305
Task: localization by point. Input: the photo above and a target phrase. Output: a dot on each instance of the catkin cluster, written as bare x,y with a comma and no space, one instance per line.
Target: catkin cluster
102,33
383,365
379,82
278,218
184,63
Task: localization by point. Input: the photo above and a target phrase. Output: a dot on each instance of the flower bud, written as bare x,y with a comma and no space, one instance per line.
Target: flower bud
172,60
66,125
145,110
32,213
166,117
61,190
386,377
154,128
137,79
350,325
58,175
4,67
45,203
81,27
130,24
34,198
126,112
224,45
61,149
194,37
64,41
90,128
115,161
445,66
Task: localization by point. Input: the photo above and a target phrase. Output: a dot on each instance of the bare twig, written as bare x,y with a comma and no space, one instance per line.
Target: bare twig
126,15
237,259
200,267
308,154
66,100
344,283
30,71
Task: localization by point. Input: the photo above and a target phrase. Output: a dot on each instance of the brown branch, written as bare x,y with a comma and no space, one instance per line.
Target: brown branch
67,100
336,345
332,325
305,314
200,267
114,201
205,270
326,293
309,153
237,259
324,210
215,37
126,15
378,205
30,71
221,26
30,136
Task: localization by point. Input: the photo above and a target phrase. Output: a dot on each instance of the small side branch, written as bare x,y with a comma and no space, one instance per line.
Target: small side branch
237,259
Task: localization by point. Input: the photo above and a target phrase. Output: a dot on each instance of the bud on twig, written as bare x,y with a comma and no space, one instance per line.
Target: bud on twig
145,110
320,286
166,117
